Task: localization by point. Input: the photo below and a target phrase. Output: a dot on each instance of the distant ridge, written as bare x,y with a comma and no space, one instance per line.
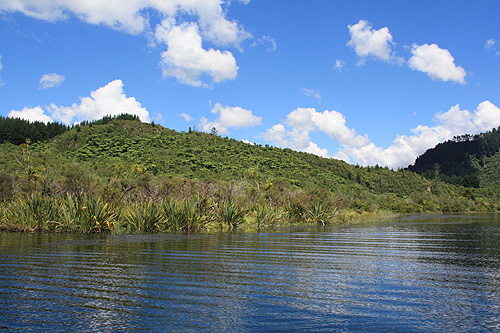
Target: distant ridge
466,160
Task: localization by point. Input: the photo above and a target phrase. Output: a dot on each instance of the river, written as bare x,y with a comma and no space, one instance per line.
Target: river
417,274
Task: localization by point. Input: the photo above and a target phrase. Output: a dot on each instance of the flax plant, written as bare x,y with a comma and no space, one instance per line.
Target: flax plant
267,216
96,216
144,217
321,214
32,212
229,214
70,211
188,215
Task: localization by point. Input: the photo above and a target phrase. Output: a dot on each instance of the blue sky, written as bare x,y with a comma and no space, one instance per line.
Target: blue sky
369,82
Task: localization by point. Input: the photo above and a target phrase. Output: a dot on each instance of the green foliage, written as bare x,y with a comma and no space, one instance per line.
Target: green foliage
295,211
320,214
187,215
466,160
144,217
267,216
229,214
70,212
96,215
121,175
17,131
30,213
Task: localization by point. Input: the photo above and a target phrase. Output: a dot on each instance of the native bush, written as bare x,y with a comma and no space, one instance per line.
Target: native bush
229,214
144,217
321,214
32,212
267,216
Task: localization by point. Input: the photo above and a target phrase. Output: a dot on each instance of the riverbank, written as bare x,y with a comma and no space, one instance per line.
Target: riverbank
88,213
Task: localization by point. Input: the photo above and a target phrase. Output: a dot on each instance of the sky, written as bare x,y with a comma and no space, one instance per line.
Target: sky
368,82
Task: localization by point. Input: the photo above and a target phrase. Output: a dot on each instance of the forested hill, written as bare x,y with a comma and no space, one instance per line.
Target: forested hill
467,160
121,157
17,131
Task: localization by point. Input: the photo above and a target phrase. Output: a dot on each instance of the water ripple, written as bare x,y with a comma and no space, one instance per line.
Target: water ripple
414,277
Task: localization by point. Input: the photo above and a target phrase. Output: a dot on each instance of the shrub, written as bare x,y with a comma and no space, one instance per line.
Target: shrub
144,217
229,214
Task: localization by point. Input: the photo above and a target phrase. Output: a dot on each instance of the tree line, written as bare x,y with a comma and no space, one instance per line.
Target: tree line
459,160
17,131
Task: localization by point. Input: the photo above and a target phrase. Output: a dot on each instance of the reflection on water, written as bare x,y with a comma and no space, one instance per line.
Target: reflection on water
414,275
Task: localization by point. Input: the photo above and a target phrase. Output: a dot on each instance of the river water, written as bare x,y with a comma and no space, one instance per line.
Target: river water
418,274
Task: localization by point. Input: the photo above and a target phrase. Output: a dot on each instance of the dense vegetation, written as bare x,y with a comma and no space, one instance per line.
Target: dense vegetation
467,160
121,175
17,131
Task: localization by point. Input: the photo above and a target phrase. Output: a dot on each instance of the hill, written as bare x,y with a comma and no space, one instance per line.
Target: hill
467,160
129,165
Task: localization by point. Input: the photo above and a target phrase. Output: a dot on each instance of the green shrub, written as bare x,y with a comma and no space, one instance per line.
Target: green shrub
229,214
267,216
32,212
144,217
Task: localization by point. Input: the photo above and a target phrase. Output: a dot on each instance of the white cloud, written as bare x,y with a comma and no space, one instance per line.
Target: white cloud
368,42
332,123
305,120
236,117
490,43
267,41
31,114
486,116
186,60
190,23
358,148
339,64
436,62
132,16
51,80
187,117
107,100
405,149
297,139
312,93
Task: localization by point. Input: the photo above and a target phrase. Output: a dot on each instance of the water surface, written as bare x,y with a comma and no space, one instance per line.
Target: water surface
419,274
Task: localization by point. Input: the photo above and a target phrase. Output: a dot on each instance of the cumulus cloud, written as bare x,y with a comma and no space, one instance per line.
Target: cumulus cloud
296,139
332,123
187,117
236,117
51,80
186,60
107,100
191,20
437,63
358,148
31,114
132,16
302,121
405,148
370,43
